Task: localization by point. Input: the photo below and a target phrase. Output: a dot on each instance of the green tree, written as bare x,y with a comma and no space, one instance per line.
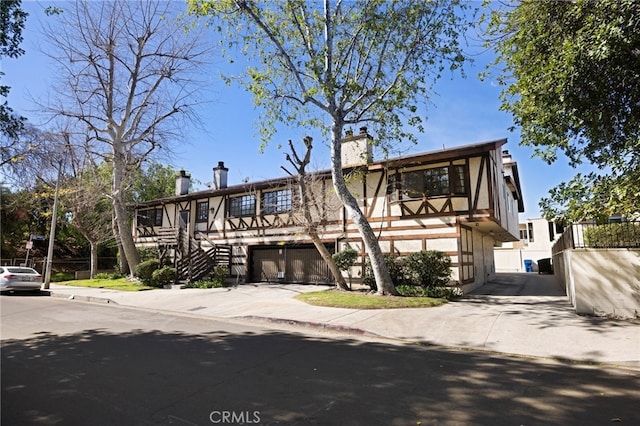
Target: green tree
573,86
151,182
12,21
331,64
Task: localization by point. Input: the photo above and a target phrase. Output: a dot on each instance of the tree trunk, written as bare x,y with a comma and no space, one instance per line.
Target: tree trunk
94,259
380,271
326,256
120,211
122,259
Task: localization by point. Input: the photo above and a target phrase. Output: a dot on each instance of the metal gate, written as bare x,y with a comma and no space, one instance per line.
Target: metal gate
290,264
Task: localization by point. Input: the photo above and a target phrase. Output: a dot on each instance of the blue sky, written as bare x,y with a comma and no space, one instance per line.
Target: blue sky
464,111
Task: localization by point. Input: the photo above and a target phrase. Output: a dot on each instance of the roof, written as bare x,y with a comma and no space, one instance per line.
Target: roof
402,161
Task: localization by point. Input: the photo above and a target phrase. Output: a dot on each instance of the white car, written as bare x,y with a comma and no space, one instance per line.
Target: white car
19,278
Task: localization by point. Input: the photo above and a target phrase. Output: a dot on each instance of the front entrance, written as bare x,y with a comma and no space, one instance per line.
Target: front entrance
290,264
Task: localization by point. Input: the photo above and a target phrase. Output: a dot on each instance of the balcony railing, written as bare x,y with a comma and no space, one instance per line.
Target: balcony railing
589,235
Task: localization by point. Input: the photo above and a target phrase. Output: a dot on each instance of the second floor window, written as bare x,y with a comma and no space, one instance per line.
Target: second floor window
150,217
202,211
276,201
436,181
244,205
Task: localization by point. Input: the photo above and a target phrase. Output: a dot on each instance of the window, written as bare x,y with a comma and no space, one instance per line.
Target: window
458,179
449,180
526,232
242,206
276,201
158,217
436,181
150,217
202,211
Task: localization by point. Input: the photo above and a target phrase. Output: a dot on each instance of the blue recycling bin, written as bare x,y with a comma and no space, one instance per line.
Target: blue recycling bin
528,265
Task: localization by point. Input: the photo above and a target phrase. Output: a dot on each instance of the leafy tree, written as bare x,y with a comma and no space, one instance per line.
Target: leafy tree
12,21
572,84
331,64
151,182
127,74
86,199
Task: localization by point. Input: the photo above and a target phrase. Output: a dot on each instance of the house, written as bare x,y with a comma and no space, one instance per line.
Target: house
537,237
462,201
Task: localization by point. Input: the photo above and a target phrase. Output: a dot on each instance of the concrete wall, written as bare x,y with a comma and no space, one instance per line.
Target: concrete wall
601,281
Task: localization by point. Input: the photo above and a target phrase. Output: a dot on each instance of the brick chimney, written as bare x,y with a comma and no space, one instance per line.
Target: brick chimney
183,181
357,150
220,173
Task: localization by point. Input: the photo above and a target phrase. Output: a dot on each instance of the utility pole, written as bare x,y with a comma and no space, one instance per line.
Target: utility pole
52,234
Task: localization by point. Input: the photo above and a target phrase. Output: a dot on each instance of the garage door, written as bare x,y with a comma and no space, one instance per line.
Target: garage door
291,264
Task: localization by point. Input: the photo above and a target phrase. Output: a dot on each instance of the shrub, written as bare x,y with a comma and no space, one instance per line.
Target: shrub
345,260
145,269
108,276
437,292
163,276
148,253
430,268
218,277
395,265
62,276
220,274
206,284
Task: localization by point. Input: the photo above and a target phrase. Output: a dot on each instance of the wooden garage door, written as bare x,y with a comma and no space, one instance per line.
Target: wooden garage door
296,264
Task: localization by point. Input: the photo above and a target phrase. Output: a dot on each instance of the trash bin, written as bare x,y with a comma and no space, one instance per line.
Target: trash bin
544,266
528,265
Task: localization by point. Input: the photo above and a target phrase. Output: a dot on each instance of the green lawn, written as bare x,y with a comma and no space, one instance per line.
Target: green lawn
361,300
117,284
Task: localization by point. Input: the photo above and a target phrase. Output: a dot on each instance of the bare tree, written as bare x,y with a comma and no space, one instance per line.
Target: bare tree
307,201
128,75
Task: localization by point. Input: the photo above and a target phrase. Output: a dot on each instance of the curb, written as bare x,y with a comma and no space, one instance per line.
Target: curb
310,324
81,298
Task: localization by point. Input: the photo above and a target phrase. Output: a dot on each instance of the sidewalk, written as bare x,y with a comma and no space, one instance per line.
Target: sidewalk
518,314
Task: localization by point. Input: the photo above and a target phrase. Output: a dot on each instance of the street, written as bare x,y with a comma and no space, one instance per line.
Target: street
73,363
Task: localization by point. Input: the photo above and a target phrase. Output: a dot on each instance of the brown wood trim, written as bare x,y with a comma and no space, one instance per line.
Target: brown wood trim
418,227
441,156
450,253
376,194
490,185
417,237
474,208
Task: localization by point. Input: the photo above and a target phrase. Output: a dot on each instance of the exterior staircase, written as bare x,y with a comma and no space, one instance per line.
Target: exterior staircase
191,261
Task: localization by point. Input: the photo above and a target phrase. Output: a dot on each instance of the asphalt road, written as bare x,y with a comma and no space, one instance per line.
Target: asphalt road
74,363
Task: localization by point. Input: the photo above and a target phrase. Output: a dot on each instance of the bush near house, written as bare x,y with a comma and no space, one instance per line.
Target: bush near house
163,276
395,265
218,277
430,268
144,270
424,273
344,260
